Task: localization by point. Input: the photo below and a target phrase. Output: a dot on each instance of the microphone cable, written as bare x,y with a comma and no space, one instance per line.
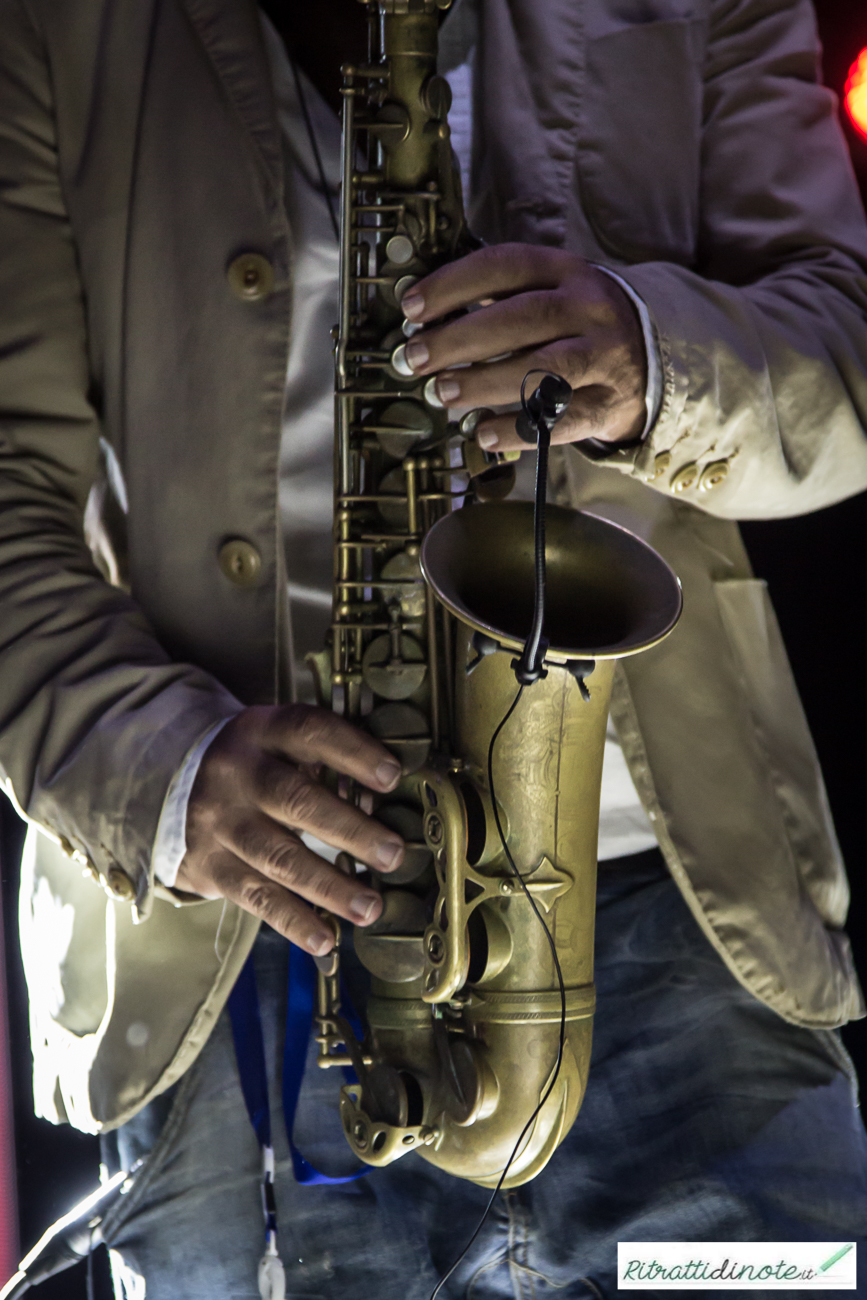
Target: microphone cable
562,989
540,412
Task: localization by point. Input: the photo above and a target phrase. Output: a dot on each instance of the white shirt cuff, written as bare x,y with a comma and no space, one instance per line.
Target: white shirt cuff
170,843
653,393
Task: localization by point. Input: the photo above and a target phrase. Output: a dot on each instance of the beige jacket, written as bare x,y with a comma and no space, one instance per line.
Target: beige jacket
685,142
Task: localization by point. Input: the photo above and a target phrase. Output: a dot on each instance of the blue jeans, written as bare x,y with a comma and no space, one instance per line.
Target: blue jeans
707,1118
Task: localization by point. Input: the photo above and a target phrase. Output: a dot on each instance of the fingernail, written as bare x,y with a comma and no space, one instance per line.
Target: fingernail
487,440
449,390
389,854
388,775
364,908
321,945
412,305
417,353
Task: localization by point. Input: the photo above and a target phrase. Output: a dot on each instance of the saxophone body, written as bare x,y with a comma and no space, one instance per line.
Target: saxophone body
431,602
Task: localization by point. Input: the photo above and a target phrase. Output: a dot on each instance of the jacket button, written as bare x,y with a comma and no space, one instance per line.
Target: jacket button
251,277
661,463
120,884
240,562
712,475
684,478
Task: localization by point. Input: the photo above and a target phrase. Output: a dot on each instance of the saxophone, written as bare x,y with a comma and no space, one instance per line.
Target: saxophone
466,1005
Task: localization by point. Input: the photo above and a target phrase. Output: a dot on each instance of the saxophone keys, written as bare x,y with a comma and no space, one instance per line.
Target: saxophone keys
401,425
403,285
477,1092
391,948
407,821
431,396
405,569
400,250
399,363
404,730
394,676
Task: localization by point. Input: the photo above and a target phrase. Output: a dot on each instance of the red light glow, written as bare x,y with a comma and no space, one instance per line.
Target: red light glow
855,94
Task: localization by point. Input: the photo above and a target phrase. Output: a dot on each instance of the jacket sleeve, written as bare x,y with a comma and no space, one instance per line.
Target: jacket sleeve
94,718
764,342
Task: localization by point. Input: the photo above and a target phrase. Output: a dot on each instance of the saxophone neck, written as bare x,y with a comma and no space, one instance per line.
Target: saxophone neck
397,111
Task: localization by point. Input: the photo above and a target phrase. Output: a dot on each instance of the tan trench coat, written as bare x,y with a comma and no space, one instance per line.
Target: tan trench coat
687,143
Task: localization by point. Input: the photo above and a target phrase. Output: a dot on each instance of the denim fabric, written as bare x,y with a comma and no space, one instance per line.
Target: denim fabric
706,1118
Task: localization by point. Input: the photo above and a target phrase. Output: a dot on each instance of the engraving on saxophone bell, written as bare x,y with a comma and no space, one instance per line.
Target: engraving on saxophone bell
433,595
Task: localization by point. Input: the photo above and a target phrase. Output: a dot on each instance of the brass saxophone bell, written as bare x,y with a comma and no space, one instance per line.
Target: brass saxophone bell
609,594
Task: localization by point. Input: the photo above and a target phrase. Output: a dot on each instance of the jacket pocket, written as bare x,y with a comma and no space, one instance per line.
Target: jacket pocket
640,140
782,730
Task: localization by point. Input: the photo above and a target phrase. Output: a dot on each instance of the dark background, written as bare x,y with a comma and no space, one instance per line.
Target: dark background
814,567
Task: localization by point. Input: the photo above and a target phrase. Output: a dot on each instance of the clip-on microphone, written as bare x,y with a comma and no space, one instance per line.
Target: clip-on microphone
539,413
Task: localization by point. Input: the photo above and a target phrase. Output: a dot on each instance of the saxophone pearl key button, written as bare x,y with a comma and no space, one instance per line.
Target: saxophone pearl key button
431,396
399,249
403,286
399,363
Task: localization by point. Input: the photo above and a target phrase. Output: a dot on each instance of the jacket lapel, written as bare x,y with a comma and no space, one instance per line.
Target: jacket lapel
232,36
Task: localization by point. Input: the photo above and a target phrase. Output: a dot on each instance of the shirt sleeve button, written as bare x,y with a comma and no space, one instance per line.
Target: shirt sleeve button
661,463
120,884
251,277
240,562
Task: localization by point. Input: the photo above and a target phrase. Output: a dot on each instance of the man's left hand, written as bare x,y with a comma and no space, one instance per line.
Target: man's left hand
543,309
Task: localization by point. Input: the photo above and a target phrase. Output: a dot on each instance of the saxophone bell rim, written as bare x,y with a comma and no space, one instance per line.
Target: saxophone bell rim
479,562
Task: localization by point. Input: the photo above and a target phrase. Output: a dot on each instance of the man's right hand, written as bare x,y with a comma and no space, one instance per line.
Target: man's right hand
256,790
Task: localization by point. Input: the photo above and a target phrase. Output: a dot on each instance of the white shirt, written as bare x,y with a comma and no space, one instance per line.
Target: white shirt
307,438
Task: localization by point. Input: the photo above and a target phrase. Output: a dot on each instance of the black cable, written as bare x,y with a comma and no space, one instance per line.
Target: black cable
562,1039
539,414
531,648
314,145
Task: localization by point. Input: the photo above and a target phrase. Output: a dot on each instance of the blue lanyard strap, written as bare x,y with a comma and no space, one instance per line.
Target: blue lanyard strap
250,1051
